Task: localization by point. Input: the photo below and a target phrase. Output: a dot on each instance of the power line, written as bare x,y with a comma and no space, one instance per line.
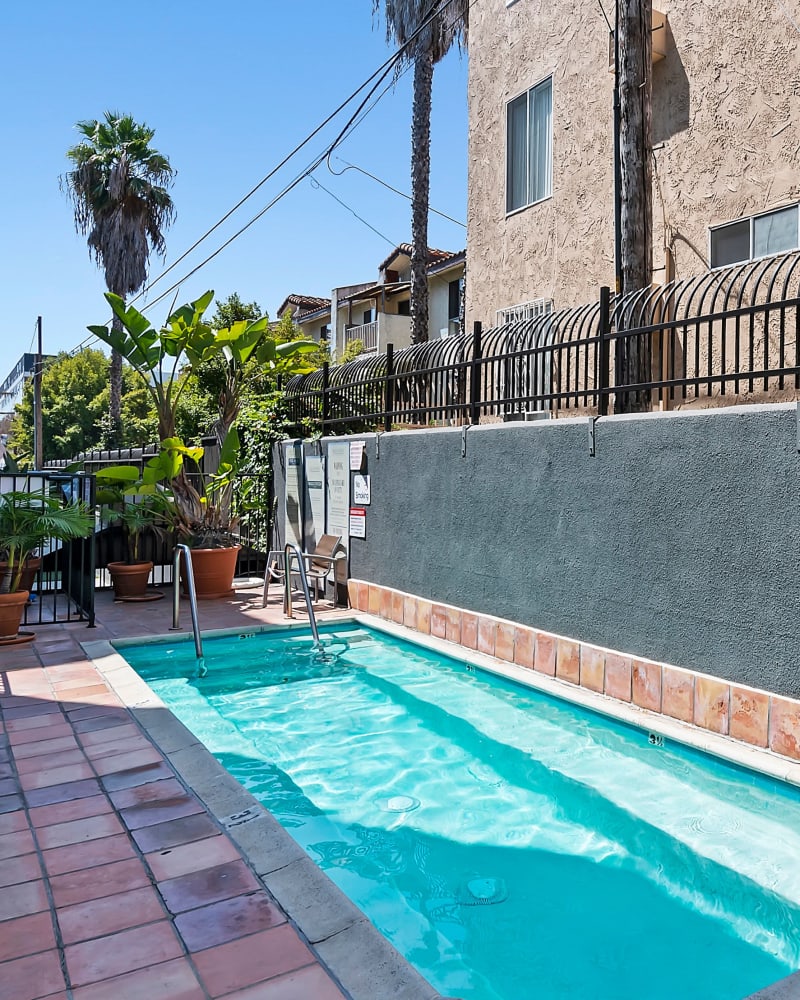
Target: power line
605,16
382,72
351,124
352,166
316,184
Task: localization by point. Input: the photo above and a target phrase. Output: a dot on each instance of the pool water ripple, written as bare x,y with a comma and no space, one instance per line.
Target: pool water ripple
599,865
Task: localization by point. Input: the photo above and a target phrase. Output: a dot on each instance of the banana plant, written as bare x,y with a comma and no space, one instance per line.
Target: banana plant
162,358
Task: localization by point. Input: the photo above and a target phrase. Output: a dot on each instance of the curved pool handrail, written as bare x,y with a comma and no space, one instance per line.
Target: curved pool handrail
290,550
176,595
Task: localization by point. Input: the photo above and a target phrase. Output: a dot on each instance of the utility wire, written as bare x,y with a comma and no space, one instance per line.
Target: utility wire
351,124
605,16
381,73
352,166
265,178
316,184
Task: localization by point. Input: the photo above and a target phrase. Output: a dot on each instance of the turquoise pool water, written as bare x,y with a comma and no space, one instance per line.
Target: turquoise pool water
510,845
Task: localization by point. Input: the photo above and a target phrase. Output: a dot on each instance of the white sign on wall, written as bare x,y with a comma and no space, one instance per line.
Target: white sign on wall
315,495
358,522
361,490
338,486
356,455
294,493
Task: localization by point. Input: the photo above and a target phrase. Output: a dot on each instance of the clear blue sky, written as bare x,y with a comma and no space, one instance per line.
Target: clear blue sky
229,89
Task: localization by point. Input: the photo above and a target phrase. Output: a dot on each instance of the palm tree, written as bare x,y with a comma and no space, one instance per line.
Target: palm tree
118,188
445,22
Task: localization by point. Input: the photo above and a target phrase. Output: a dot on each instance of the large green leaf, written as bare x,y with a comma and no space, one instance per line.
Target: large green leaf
121,473
229,452
134,322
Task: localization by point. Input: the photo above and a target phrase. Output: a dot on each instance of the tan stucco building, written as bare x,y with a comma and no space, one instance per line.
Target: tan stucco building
377,313
726,145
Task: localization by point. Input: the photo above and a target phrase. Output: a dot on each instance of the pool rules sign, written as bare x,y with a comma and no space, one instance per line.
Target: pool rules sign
358,522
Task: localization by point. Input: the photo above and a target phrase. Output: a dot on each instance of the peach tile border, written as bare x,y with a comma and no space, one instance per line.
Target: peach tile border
713,704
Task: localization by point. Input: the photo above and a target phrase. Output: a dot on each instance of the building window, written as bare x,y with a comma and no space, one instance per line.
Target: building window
368,317
758,236
523,311
529,147
404,307
325,332
454,300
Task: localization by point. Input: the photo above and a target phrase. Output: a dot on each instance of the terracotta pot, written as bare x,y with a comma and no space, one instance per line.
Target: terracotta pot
214,570
129,579
31,568
11,608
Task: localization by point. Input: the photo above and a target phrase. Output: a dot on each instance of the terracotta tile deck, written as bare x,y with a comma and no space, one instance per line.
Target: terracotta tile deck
115,880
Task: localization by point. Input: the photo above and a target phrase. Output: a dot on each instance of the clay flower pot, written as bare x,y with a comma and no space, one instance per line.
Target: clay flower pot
214,570
130,580
29,571
11,608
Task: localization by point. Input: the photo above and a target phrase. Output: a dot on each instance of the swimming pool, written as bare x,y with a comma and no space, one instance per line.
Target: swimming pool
507,843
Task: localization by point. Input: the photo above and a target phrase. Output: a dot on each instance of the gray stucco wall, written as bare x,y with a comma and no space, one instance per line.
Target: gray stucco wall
676,541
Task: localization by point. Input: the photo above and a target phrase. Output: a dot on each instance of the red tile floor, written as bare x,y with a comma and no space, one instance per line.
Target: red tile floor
115,884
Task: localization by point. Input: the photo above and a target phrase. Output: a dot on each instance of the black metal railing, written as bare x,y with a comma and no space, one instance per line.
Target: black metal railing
727,335
62,589
252,507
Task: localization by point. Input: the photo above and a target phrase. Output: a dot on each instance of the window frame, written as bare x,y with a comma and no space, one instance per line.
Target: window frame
750,219
547,78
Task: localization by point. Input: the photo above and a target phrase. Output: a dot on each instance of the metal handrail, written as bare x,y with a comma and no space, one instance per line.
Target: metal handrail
176,595
288,551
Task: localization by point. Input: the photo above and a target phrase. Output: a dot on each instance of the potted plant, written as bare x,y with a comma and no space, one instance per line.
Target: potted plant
138,516
27,522
163,358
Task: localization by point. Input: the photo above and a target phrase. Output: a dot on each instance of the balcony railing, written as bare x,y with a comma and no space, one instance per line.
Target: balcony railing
367,333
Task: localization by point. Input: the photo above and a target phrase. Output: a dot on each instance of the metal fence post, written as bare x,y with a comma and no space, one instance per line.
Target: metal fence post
325,402
475,380
389,394
604,332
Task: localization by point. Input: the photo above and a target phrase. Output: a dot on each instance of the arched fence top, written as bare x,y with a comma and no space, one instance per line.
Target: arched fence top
731,330
563,327
722,290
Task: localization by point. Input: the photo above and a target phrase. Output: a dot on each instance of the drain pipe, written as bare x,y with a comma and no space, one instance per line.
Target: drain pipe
176,595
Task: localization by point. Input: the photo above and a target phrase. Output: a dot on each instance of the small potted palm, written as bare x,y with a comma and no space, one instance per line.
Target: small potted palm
137,520
27,522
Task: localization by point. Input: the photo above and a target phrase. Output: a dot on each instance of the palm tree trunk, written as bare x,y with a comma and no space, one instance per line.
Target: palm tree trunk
420,193
635,61
115,393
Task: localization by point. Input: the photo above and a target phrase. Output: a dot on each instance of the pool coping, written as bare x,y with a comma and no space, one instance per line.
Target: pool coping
343,938
759,759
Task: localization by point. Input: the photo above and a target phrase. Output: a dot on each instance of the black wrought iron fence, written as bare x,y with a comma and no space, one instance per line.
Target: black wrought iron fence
727,335
63,573
252,507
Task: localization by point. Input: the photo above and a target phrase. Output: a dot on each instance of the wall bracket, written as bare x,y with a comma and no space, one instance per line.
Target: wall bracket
592,439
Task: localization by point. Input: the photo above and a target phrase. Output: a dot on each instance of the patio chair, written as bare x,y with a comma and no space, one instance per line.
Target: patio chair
318,565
